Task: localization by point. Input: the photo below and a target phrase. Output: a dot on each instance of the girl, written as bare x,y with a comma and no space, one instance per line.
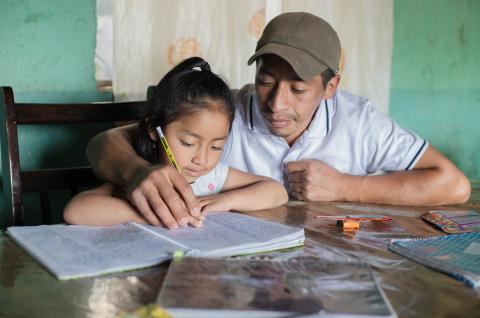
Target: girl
194,109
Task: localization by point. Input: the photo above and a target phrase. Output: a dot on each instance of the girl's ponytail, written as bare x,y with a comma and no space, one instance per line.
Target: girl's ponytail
189,87
190,65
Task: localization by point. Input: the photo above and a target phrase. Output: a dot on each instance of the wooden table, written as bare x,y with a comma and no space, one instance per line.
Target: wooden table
28,290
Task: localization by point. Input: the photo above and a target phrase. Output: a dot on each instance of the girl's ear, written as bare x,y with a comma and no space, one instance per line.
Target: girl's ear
152,134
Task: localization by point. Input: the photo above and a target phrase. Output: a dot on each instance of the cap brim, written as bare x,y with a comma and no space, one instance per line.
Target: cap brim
304,65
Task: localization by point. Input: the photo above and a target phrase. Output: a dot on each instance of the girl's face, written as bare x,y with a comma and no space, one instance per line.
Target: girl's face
197,141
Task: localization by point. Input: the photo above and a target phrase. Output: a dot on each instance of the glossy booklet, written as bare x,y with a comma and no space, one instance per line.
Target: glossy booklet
454,222
302,286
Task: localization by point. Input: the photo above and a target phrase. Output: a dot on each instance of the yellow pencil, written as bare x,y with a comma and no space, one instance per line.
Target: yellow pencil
168,151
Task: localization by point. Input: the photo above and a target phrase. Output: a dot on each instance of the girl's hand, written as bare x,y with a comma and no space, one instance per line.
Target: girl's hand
214,202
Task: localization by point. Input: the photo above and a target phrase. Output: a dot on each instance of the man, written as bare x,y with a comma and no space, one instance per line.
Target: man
294,126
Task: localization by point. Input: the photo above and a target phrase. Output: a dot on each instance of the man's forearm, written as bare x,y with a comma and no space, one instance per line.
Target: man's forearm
113,157
417,187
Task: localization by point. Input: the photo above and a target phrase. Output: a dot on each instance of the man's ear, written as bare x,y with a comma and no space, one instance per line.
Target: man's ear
332,86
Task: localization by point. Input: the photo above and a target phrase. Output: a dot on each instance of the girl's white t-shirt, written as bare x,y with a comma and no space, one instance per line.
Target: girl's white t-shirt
211,182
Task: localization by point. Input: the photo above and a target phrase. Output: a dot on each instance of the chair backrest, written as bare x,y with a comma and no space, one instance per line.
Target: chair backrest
15,180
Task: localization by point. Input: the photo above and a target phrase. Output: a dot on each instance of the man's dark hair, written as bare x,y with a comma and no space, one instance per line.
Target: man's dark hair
327,75
189,87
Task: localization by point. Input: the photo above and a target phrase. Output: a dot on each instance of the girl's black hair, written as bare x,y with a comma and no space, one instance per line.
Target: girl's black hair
189,87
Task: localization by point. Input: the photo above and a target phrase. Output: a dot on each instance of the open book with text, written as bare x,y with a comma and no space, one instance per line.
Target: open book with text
72,251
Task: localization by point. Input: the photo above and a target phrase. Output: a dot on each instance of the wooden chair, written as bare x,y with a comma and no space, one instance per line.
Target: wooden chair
17,181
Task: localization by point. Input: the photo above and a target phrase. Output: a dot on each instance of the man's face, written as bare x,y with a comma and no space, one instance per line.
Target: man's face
287,103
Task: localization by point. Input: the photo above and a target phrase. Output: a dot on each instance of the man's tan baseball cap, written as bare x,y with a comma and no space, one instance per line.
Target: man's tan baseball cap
308,43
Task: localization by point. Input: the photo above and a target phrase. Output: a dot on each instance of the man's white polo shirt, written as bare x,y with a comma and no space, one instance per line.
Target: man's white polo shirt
346,132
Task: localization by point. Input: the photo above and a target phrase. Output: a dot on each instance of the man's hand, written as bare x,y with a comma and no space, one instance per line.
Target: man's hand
163,196
314,180
434,181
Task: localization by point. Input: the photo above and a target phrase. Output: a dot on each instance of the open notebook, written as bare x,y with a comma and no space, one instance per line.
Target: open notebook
71,251
457,255
303,286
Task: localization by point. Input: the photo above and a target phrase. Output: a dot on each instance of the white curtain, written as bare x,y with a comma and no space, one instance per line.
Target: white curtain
151,36
104,49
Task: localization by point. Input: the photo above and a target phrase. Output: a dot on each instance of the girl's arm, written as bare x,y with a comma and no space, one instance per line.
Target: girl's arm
102,206
245,192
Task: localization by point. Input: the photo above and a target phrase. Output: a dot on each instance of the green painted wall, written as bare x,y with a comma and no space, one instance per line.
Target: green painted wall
435,86
46,55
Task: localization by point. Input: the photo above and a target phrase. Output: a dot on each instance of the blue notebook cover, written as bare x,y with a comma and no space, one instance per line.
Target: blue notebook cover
457,255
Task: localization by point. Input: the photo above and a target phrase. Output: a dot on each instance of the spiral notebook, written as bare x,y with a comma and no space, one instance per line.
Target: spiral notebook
457,255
